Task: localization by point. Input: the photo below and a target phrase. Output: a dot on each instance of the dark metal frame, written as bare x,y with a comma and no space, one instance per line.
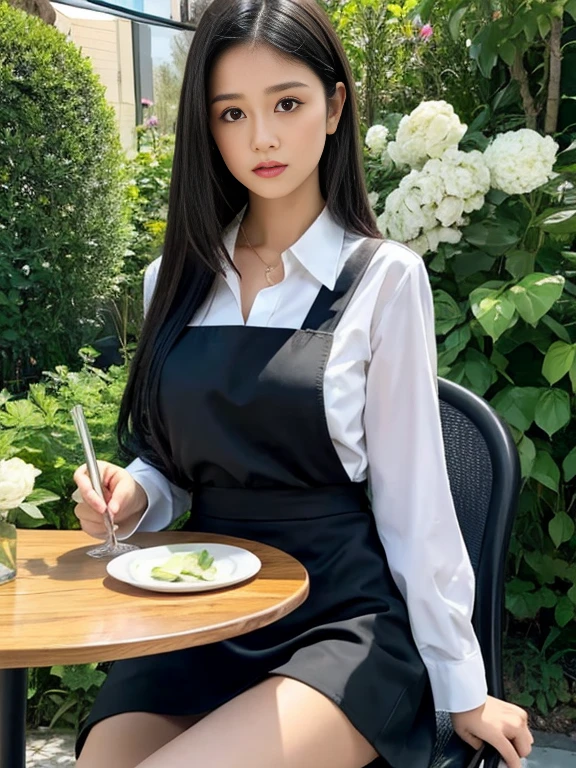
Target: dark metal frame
490,576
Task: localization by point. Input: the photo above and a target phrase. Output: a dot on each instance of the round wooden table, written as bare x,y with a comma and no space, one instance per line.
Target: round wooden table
63,608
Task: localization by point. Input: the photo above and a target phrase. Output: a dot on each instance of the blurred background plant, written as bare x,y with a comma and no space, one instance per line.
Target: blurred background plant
63,212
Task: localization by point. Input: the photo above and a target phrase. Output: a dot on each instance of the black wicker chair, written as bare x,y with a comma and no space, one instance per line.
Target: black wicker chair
484,476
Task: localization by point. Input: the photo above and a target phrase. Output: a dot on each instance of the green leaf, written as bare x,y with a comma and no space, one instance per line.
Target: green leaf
517,405
558,361
523,699
496,237
79,677
569,465
552,410
561,223
543,565
572,374
543,26
455,20
545,471
447,312
507,52
557,327
493,310
570,8
561,528
41,496
479,371
454,343
520,263
536,294
571,594
31,510
21,413
564,612
527,453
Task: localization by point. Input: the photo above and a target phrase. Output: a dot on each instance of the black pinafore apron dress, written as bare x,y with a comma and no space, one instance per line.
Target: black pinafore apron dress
244,413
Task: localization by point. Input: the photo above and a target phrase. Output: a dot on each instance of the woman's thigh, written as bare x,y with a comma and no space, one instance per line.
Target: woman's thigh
124,741
280,723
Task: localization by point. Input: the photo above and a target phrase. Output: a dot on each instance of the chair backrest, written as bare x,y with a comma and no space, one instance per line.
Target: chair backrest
484,473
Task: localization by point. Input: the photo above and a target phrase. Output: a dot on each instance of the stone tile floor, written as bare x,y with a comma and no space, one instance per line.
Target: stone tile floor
55,749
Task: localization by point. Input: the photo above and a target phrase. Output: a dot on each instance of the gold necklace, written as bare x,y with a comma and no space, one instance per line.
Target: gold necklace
269,268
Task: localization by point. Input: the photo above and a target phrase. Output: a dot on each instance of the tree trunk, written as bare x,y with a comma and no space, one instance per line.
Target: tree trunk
553,100
519,73
41,8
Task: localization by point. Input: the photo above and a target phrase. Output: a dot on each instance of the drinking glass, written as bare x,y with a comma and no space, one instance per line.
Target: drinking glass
111,546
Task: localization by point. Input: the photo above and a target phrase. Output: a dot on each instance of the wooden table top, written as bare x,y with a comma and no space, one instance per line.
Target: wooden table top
63,607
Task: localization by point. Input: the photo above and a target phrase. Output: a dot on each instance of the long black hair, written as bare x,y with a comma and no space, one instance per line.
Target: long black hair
205,196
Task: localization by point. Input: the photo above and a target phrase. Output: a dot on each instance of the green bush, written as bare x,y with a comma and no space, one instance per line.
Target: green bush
39,429
149,183
63,212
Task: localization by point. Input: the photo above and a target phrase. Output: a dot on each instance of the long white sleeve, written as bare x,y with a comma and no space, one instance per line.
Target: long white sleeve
411,496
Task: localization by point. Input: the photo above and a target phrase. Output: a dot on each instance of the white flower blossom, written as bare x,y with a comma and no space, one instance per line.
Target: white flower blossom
520,161
373,198
377,139
429,241
429,205
427,132
16,482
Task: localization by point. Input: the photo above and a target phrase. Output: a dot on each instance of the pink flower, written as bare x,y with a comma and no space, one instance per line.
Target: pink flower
426,32
146,103
151,122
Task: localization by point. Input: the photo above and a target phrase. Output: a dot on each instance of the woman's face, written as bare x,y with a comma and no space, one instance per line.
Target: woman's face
264,107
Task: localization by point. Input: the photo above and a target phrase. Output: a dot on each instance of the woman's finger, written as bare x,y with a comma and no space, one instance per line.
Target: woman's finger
523,743
84,512
507,751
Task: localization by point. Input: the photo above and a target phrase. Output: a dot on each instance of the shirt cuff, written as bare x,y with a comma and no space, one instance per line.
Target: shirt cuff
458,686
157,514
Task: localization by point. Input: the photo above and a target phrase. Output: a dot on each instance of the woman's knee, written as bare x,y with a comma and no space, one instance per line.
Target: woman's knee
125,740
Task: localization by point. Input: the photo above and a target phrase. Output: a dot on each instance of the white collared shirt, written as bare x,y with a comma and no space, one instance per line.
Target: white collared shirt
381,401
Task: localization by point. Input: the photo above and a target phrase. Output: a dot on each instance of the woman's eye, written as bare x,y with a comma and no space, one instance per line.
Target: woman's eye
288,102
234,115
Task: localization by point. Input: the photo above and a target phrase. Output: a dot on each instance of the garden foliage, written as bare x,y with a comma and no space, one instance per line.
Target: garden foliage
496,229
63,214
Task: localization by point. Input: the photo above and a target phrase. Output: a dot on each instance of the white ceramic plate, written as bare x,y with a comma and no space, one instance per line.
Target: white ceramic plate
233,565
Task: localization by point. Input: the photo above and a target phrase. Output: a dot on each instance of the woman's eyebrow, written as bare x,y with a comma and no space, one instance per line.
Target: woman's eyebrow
270,89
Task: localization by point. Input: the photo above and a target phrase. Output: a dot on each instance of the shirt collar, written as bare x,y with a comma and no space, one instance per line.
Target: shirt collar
318,249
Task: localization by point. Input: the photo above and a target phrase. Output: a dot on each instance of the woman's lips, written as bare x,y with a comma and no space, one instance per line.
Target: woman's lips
268,173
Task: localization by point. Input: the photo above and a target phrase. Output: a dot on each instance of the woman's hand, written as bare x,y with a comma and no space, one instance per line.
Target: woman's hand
126,499
496,722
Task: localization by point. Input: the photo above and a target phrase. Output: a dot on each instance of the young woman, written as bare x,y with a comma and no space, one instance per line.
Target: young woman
287,357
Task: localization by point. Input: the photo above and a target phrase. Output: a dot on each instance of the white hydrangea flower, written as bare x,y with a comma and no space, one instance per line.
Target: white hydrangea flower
373,198
520,161
429,205
427,132
465,174
430,240
377,139
16,482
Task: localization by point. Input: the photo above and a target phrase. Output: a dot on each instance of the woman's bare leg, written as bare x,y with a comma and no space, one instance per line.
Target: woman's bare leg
280,723
124,741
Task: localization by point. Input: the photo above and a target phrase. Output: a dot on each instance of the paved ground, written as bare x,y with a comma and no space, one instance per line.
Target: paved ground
56,749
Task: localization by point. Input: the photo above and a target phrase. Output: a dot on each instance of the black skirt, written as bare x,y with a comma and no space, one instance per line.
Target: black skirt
350,640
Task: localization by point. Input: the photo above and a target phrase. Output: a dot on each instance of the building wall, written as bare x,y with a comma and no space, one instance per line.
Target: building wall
107,41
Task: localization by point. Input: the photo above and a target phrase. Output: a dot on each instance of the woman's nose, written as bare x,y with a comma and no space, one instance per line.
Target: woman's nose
264,136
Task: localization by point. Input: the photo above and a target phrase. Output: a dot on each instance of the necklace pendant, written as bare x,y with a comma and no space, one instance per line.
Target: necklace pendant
267,275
